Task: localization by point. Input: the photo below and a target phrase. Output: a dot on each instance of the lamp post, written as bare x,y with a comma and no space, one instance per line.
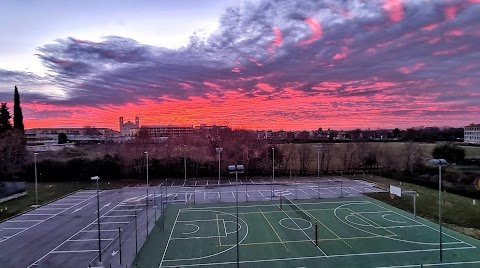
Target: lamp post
439,163
219,151
96,178
146,199
273,172
318,168
236,169
185,163
290,162
36,180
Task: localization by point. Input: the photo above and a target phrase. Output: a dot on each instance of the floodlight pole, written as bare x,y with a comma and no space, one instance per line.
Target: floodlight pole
439,162
185,163
219,151
290,162
236,198
273,173
236,169
440,207
36,180
318,169
96,178
146,199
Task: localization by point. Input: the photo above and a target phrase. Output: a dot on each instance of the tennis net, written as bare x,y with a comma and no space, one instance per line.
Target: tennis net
286,205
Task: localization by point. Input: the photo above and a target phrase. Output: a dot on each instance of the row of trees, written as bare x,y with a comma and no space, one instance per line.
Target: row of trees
12,140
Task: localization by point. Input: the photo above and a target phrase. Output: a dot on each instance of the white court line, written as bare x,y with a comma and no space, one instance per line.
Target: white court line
233,195
69,204
316,257
431,264
13,228
230,182
425,225
252,181
207,182
170,237
35,214
50,208
123,210
173,183
261,194
204,195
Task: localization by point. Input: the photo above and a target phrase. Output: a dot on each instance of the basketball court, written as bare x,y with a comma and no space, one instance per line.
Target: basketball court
341,232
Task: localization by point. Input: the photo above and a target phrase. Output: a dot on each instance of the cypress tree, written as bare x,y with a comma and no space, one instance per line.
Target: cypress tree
17,112
5,116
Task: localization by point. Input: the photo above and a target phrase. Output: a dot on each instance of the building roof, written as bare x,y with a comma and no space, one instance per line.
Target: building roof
129,124
473,125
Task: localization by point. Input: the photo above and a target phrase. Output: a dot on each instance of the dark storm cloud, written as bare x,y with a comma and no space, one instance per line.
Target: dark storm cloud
358,47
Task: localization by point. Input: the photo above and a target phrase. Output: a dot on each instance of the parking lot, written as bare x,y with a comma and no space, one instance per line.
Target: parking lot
64,233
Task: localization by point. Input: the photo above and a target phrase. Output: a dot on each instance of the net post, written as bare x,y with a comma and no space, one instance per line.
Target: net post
316,234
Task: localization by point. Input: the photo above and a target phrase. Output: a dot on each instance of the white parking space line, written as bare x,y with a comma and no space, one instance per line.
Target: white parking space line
25,220
135,209
92,239
184,183
301,190
233,195
73,251
118,216
13,228
70,251
36,214
95,231
329,190
261,193
252,181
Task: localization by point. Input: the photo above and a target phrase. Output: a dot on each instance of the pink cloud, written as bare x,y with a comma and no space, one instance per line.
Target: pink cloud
278,39
394,8
412,69
316,29
430,27
450,12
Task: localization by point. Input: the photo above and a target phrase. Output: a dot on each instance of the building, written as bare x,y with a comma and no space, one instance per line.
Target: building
167,131
472,134
46,139
126,128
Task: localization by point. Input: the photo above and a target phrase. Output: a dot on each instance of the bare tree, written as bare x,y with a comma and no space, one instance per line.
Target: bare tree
305,157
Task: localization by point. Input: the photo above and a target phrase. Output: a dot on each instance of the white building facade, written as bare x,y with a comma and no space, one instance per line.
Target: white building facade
472,134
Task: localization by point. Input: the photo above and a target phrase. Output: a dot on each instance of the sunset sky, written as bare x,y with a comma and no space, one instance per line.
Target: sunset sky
265,64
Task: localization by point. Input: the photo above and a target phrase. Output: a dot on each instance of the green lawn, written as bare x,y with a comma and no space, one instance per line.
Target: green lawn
47,192
458,211
351,232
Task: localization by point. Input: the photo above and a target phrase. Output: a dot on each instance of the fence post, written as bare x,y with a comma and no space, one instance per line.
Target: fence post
120,244
136,234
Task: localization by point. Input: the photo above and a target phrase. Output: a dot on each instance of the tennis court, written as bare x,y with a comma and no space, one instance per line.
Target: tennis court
353,232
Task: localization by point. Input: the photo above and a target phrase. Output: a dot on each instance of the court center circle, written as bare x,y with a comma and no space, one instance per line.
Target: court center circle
296,224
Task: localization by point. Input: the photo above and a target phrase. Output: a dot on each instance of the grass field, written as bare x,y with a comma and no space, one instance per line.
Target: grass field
353,232
47,192
465,220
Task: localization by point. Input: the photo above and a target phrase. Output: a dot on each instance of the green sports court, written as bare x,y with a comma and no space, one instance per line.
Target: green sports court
342,232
